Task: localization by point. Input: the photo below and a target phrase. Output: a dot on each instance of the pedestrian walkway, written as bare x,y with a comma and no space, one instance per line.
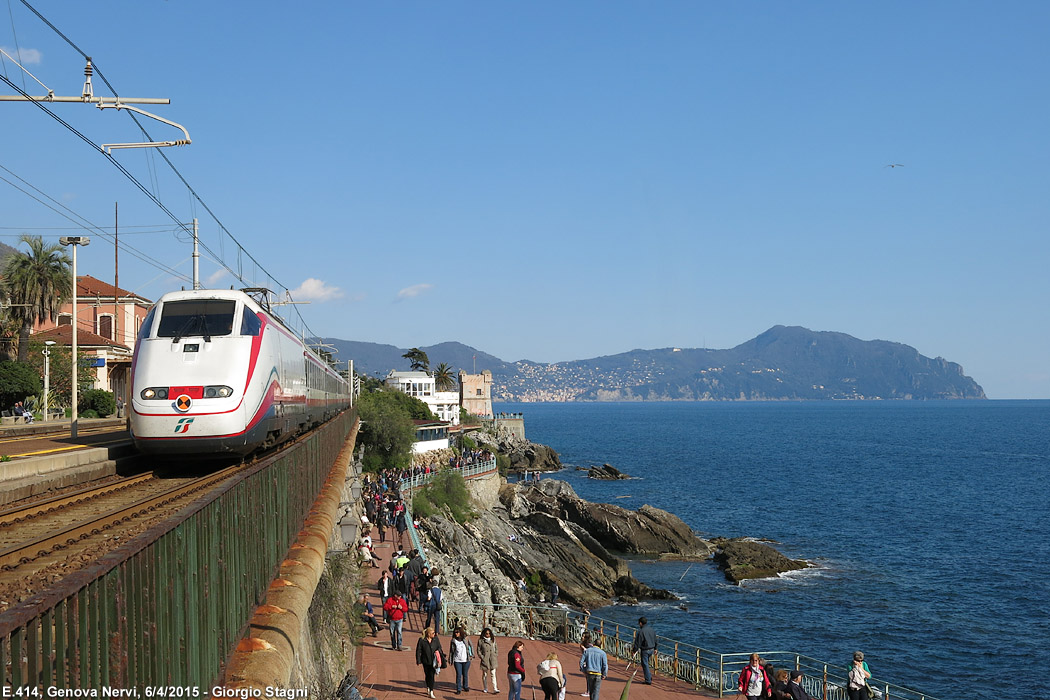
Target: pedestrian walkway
394,675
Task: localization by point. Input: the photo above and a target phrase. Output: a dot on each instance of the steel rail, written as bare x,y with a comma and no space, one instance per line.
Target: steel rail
19,514
12,556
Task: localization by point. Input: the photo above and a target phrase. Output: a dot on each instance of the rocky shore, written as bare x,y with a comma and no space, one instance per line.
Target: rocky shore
524,455
542,533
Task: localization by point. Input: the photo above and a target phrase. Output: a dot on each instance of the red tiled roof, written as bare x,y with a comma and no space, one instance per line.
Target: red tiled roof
88,286
63,335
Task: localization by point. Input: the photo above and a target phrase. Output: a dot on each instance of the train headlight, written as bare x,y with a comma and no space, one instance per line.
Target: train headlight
155,392
212,392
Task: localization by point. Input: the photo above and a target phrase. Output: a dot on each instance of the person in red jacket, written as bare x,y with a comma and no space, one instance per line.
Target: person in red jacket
754,681
395,607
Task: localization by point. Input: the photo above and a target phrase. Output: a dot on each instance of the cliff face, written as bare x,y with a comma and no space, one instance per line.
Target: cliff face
545,530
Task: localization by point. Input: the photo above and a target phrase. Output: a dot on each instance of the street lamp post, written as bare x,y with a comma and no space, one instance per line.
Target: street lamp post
74,241
47,377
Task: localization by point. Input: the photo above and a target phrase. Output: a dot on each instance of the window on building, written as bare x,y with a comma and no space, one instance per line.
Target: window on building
479,392
105,327
65,320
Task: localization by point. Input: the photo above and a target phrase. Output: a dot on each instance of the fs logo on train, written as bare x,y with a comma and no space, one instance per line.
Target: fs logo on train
183,426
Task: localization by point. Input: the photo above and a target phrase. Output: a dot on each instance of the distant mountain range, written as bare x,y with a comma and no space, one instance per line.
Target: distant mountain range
784,363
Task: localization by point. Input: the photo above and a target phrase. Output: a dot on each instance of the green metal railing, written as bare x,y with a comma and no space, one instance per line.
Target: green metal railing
698,667
469,471
167,608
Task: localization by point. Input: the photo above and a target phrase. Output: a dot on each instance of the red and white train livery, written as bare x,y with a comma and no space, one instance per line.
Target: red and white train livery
216,373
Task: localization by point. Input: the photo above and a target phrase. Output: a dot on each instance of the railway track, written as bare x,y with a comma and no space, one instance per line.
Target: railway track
34,531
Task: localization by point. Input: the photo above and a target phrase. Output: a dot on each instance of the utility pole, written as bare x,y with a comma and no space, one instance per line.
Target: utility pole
196,258
116,277
87,96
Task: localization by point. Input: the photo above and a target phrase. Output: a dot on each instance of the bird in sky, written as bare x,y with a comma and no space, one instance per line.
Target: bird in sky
895,165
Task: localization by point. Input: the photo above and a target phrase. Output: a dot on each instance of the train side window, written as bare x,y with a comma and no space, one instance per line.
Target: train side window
147,324
250,323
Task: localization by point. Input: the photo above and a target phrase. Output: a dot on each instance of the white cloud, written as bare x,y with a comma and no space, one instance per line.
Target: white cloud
313,289
414,291
27,57
214,278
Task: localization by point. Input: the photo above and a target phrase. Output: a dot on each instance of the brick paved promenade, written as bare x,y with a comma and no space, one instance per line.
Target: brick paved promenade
393,675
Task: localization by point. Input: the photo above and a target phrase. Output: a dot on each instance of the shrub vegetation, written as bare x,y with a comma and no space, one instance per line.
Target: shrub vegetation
447,490
100,401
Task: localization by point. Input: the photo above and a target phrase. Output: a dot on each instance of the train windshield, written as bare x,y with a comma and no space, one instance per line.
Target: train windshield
196,317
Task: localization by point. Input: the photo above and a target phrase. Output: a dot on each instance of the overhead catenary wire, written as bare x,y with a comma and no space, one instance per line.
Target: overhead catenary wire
241,250
86,224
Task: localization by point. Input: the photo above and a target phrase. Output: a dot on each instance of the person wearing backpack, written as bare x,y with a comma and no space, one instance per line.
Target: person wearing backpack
552,676
433,605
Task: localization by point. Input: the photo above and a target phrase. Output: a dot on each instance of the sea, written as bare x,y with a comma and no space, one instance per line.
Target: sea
927,525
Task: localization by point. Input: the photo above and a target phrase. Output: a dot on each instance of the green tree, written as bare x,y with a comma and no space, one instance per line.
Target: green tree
36,283
387,431
444,377
61,366
418,360
17,381
412,406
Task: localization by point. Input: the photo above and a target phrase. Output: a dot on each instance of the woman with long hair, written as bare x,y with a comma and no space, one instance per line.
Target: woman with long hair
516,670
428,655
488,654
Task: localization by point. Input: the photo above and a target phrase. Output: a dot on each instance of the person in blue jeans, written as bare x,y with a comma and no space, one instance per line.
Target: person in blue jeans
515,670
595,664
460,651
645,644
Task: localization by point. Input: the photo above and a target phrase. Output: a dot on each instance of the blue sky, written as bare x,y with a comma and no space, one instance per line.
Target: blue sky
556,181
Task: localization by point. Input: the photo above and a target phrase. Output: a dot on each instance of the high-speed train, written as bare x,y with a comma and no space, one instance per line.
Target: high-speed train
215,373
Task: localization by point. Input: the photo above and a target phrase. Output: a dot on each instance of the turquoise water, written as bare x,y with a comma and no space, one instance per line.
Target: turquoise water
929,523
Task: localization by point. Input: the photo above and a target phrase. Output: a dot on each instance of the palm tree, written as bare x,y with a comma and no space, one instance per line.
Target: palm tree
444,378
418,360
36,282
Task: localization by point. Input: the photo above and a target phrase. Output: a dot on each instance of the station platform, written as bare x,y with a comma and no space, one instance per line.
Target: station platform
394,675
42,456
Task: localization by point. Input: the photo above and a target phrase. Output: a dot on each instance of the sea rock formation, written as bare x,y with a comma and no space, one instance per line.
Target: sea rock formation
524,455
743,559
544,533
606,472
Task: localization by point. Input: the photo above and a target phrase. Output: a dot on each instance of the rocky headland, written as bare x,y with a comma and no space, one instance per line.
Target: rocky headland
543,532
524,455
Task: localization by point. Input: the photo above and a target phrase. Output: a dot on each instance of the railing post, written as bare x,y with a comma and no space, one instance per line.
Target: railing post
825,682
721,673
696,671
674,678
